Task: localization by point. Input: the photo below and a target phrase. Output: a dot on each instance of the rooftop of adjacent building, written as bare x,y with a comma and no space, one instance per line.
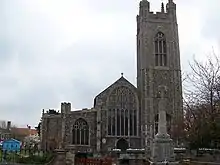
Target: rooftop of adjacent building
23,131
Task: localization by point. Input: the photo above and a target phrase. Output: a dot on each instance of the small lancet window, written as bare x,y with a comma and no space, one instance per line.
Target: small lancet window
160,49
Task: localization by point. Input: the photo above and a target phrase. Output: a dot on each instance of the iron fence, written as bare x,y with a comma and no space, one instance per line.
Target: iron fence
93,161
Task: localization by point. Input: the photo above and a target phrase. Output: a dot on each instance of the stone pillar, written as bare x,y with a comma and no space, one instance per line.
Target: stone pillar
162,123
98,131
70,158
60,158
163,150
65,111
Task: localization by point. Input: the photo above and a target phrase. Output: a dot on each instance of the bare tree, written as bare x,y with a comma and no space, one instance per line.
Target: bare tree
201,98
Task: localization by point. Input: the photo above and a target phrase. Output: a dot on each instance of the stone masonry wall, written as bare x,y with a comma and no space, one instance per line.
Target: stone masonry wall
51,134
90,117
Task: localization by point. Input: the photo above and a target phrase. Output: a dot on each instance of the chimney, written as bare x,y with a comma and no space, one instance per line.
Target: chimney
9,125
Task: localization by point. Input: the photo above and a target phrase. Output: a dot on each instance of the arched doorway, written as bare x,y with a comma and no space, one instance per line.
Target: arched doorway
122,144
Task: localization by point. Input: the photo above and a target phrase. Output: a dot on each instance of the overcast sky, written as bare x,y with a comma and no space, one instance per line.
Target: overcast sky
70,50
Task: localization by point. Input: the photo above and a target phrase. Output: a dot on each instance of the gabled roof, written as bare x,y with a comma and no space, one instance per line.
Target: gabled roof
120,81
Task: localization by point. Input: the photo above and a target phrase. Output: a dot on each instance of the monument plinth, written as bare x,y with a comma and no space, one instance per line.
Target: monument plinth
163,149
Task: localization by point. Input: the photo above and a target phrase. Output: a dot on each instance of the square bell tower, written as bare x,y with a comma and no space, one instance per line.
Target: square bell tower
158,66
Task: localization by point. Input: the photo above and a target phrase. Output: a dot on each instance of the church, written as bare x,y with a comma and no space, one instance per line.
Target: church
125,116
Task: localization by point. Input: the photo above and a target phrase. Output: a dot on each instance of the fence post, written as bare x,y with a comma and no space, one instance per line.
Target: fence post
5,155
1,155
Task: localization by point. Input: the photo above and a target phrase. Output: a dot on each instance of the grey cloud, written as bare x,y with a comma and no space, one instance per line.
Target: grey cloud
37,71
5,49
26,107
85,70
211,19
114,6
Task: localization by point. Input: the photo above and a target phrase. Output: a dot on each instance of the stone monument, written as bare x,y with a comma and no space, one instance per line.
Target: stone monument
163,149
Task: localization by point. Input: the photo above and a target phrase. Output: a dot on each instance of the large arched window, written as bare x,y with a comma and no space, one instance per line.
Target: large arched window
160,49
80,133
122,113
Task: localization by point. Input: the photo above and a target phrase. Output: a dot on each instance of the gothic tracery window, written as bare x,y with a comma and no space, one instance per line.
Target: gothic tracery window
160,49
122,113
80,133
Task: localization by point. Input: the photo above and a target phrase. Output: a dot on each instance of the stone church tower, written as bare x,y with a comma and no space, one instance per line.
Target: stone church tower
158,68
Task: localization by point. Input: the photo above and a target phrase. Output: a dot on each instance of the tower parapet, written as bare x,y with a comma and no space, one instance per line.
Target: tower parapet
146,14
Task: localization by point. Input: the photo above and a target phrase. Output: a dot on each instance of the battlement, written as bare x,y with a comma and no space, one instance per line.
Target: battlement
65,107
65,103
50,113
158,15
47,115
145,13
